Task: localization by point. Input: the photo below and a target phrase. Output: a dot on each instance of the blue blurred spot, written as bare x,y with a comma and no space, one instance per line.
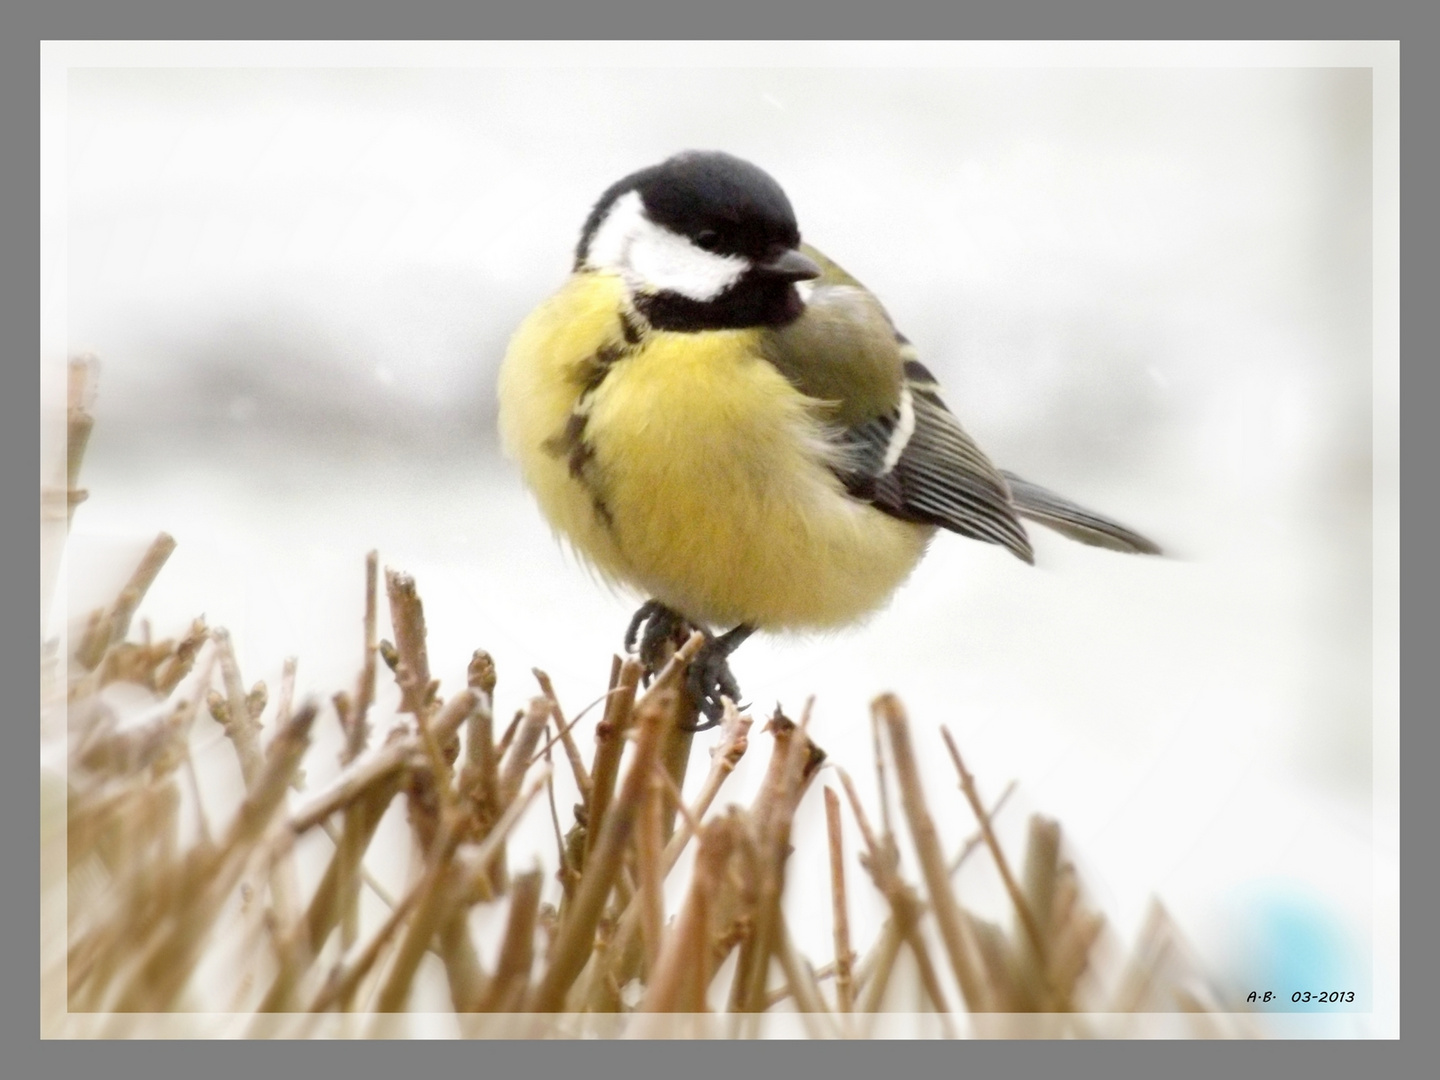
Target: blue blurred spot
1292,941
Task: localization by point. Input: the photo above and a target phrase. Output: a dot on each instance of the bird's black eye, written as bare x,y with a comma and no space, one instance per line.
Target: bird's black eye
708,239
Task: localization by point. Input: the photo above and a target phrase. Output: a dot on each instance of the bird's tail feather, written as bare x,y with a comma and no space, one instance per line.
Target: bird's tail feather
1043,506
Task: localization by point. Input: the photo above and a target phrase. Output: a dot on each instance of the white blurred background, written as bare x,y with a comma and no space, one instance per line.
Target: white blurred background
1148,288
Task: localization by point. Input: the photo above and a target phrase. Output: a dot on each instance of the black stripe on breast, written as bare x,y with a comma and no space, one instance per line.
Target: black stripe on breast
578,453
591,371
570,443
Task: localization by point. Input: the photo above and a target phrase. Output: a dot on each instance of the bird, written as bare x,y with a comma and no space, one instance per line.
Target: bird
718,417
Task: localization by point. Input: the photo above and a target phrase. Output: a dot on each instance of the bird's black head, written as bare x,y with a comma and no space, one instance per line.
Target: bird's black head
704,240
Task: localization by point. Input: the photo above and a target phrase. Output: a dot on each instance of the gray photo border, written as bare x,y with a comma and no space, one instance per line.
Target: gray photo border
25,31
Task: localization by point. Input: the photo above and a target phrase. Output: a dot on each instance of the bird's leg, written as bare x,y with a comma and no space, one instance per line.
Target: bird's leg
709,677
665,631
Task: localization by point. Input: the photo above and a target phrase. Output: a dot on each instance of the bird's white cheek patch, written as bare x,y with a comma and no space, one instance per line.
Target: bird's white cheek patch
650,256
667,261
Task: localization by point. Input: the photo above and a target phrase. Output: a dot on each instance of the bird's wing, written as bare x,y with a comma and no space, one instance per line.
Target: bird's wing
917,463
897,446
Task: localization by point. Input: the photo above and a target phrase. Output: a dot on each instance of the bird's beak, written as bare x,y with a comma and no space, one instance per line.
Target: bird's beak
790,265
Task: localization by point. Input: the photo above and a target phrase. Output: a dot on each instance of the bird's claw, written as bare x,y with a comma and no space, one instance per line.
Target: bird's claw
709,680
662,627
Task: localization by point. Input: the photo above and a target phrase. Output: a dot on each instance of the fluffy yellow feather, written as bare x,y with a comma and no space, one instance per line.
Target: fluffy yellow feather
703,480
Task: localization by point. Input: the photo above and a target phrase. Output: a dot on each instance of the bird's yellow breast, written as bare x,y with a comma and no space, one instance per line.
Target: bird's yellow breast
686,466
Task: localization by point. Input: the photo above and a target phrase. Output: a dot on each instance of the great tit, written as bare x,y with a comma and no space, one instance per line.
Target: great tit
720,417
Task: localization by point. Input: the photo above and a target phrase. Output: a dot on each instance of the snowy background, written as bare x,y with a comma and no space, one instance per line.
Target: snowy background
1148,288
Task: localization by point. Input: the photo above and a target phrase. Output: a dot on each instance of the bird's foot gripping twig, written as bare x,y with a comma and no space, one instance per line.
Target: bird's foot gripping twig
665,631
709,678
